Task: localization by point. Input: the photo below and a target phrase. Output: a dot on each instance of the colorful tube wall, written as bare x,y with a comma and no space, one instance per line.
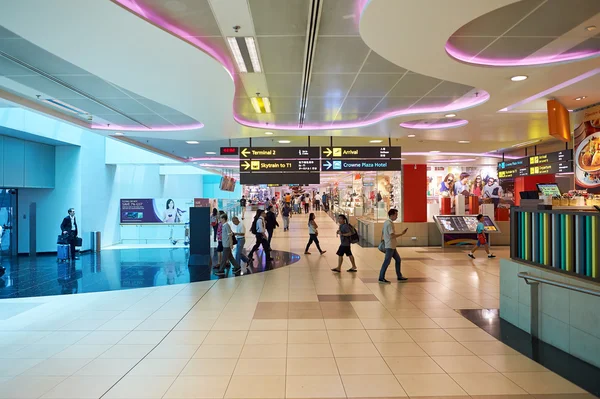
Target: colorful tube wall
558,240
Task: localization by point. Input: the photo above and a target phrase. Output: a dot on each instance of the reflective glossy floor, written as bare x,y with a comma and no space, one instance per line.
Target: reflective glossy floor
299,331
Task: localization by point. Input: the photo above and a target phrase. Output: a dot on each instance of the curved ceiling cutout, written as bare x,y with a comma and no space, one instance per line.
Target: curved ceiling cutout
530,32
351,86
431,124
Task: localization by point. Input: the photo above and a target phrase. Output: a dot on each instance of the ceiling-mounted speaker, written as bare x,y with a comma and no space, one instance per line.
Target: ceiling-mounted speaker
559,124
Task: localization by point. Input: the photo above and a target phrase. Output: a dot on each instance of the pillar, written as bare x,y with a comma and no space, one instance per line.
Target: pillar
414,196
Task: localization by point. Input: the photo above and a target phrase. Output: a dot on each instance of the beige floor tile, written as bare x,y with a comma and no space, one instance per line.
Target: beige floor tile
269,325
445,349
344,324
82,352
197,387
127,352
264,351
225,337
429,385
312,366
512,363
306,324
380,324
543,383
314,387
266,337
49,367
489,348
308,337
103,338
405,313
399,349
164,367
309,350
81,387
140,387
413,365
210,367
371,386
362,366
463,364
389,336
453,322
469,334
167,351
446,313
259,387
232,324
260,367
106,367
185,337
430,335
417,322
355,350
487,384
305,314
348,336
218,351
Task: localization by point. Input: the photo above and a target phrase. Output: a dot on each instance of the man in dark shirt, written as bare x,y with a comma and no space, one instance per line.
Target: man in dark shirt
243,205
271,222
69,227
344,232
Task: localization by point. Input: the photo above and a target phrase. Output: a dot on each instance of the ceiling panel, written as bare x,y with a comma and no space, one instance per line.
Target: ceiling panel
45,86
389,104
35,56
120,120
180,119
94,86
151,120
5,33
470,44
285,105
193,16
287,118
330,85
435,101
323,104
556,17
127,106
592,44
331,50
243,106
157,108
413,85
284,85
9,68
338,18
88,106
276,17
373,85
282,54
359,104
377,64
450,89
498,21
515,47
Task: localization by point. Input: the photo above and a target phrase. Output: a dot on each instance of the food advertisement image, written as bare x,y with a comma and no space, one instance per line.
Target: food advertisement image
586,136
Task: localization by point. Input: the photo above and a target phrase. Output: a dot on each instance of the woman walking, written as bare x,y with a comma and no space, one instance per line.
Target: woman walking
214,222
313,231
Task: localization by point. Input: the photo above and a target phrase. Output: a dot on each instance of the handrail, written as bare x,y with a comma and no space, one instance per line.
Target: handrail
527,277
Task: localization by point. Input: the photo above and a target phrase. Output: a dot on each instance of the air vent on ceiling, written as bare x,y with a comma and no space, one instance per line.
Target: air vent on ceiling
64,106
312,32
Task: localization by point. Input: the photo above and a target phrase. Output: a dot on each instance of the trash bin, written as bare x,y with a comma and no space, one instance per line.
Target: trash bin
95,241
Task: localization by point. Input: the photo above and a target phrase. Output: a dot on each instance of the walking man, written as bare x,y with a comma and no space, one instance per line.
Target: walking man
227,241
390,239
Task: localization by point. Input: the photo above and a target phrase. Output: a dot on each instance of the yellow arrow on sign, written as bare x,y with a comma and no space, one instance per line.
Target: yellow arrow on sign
245,152
327,152
246,165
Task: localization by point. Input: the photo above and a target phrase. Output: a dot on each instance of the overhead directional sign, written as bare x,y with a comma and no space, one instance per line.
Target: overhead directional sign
293,165
361,152
365,165
559,156
279,152
280,178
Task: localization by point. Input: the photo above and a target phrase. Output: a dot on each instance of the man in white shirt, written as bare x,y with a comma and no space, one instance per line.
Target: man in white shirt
227,241
317,202
239,230
390,239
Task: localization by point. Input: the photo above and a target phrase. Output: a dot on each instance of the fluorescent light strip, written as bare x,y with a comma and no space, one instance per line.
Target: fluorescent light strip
267,104
237,54
253,54
255,105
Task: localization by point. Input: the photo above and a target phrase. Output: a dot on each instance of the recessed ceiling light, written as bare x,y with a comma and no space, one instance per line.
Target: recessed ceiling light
375,141
519,78
253,54
434,152
590,28
580,98
450,115
210,153
284,141
412,135
118,134
193,142
261,105
464,142
269,133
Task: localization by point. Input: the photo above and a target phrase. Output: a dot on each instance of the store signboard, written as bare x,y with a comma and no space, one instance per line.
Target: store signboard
291,178
279,152
361,152
368,165
293,165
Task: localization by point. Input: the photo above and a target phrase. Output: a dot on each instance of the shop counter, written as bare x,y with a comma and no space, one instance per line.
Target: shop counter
566,241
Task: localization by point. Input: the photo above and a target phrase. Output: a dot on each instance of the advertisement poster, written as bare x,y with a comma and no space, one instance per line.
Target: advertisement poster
586,145
155,210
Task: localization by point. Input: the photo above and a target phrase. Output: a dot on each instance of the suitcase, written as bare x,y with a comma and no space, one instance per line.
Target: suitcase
63,253
78,241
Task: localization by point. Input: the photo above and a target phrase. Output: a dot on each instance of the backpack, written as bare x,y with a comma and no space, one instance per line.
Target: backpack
253,227
354,239
495,191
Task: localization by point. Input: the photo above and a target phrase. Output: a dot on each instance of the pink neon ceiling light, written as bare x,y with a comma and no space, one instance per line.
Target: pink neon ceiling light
423,125
154,18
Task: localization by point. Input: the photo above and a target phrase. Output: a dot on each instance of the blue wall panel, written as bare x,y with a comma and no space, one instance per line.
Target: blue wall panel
39,165
14,162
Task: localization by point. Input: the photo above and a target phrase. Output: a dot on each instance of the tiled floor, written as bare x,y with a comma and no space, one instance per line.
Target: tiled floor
295,332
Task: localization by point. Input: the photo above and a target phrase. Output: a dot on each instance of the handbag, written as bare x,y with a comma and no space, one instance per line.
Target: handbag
233,240
381,246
